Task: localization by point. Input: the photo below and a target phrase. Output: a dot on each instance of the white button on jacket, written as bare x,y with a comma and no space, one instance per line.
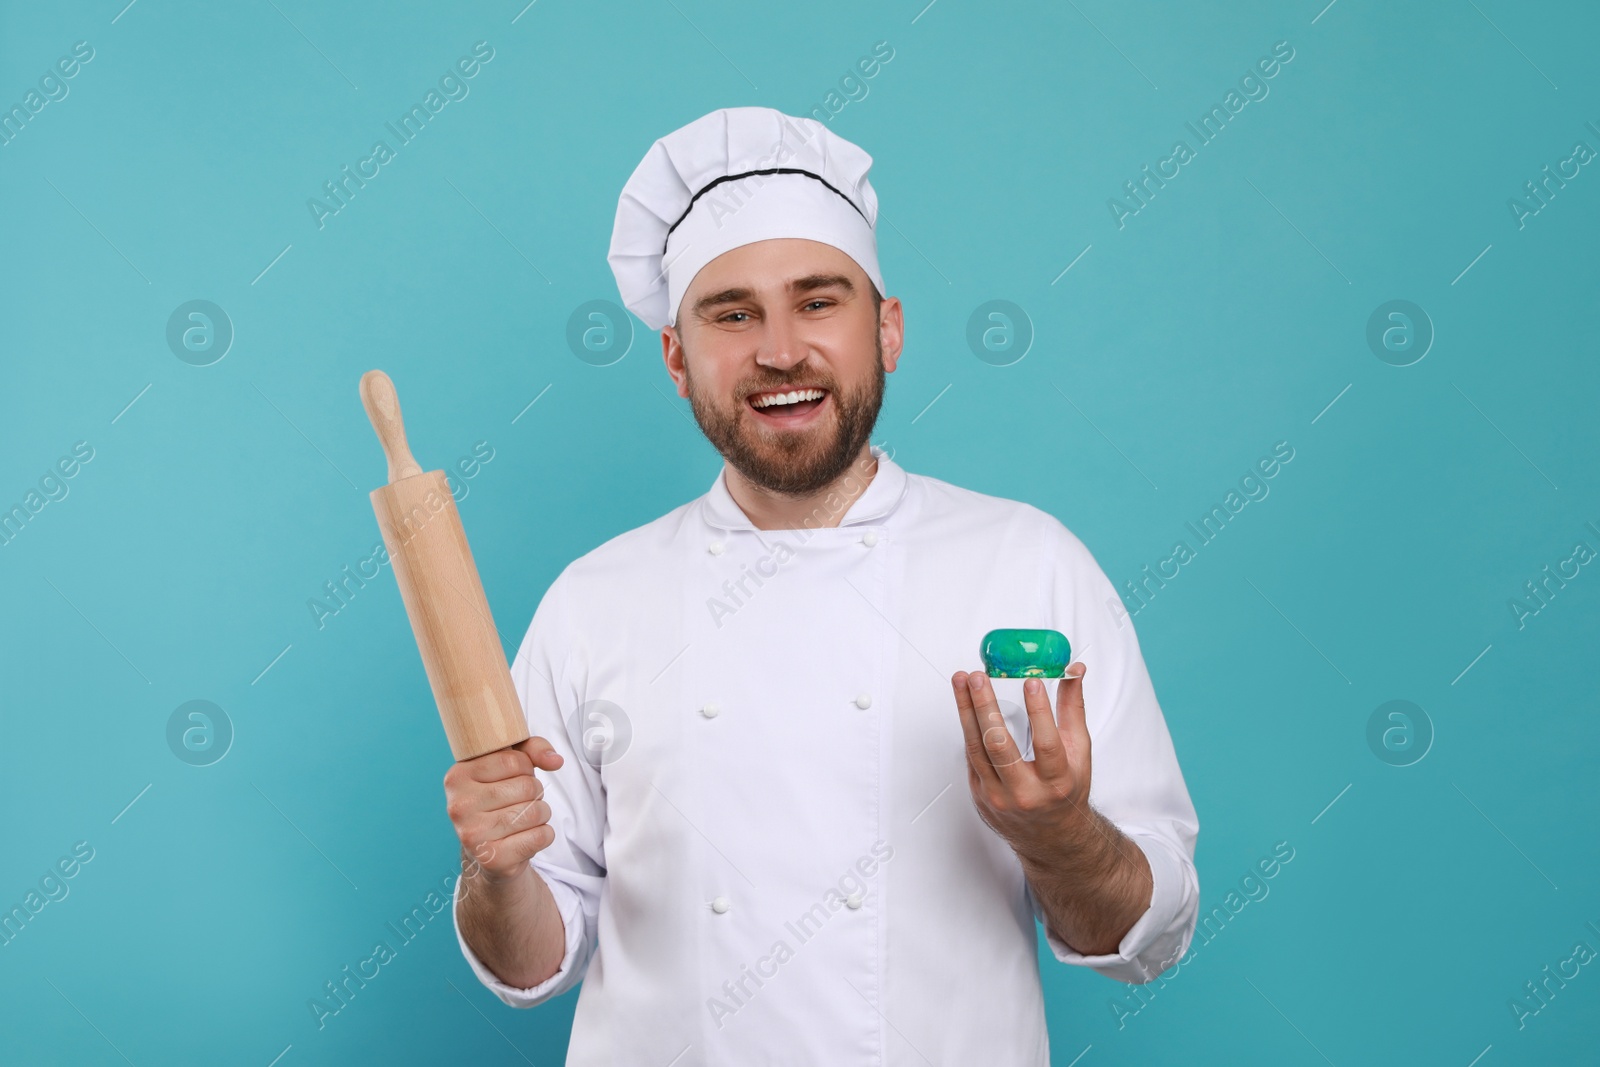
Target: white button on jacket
879,920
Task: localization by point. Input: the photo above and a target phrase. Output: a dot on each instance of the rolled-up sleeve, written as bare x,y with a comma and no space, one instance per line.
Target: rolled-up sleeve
573,866
1137,782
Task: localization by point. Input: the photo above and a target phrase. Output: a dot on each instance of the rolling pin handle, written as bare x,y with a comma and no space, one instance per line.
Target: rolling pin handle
383,408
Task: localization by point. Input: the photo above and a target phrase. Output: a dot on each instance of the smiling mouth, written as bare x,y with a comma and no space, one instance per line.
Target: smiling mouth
782,406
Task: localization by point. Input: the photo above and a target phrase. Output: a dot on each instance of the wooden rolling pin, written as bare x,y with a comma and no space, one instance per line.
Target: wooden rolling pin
439,583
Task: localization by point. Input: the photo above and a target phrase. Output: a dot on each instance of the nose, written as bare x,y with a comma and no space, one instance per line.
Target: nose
781,344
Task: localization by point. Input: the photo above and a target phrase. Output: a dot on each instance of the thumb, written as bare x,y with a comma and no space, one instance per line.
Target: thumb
543,754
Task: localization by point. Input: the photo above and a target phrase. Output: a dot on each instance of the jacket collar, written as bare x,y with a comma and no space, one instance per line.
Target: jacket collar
883,495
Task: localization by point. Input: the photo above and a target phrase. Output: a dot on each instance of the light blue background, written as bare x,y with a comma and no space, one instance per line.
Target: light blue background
1222,318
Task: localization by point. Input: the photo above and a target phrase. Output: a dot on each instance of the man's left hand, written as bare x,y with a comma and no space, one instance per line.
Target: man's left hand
1035,804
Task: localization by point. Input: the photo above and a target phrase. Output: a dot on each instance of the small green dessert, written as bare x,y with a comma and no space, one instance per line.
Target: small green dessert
1025,653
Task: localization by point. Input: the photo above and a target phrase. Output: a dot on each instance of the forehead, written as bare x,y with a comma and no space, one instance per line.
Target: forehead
772,264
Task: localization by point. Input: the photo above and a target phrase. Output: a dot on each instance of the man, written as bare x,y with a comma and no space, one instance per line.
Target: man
775,824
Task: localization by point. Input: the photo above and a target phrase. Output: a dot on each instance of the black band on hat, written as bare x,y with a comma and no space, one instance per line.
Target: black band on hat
746,174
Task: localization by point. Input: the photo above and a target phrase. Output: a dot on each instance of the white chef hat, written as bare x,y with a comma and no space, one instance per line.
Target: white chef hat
730,178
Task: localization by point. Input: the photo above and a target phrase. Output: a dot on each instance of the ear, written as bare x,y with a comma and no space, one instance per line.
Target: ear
891,329
673,355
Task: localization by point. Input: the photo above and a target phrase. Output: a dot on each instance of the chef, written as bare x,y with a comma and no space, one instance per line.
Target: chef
773,811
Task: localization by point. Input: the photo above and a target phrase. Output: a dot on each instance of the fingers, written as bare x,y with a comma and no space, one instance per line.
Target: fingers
508,856
469,797
1074,722
998,743
518,760
513,792
495,766
496,805
978,763
502,840
990,746
491,824
1049,750
516,818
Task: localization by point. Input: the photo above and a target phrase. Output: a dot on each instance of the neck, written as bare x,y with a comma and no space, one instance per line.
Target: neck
824,508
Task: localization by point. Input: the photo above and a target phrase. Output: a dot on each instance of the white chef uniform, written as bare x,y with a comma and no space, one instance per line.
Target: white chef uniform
772,856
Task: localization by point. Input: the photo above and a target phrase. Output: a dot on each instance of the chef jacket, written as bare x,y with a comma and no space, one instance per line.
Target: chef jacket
766,849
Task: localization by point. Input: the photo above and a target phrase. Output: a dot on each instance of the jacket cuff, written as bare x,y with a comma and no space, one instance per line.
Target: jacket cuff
569,903
1145,949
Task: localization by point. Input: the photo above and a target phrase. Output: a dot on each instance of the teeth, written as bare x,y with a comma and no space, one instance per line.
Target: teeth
792,397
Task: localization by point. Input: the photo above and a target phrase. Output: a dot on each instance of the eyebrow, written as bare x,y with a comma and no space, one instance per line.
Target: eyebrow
808,284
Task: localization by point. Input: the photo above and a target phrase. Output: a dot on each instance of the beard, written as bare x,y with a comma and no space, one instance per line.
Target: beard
793,463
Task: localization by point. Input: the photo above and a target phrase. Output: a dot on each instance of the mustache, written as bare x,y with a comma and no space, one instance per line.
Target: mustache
790,382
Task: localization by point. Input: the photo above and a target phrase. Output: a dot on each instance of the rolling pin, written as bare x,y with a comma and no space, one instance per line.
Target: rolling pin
439,584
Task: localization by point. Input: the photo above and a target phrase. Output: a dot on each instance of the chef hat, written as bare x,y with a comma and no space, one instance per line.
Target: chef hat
730,178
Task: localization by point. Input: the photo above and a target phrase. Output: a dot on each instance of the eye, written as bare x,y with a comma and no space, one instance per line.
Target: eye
820,300
729,316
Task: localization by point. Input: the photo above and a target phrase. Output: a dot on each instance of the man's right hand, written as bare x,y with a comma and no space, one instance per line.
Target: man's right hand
498,809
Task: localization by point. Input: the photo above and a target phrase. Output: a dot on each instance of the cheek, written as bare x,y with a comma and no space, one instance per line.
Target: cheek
715,384
846,349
